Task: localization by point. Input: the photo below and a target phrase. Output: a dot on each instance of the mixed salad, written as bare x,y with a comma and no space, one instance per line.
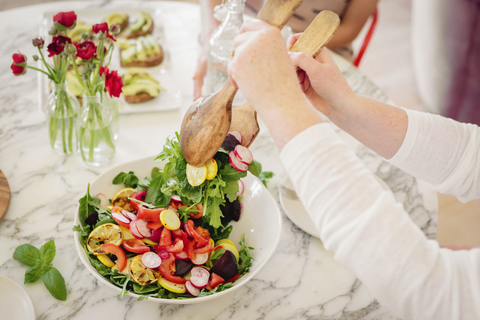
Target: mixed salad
166,236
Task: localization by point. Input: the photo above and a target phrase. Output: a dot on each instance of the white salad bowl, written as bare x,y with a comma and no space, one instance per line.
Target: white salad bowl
260,221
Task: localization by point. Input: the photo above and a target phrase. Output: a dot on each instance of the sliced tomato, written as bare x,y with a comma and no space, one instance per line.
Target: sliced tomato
118,252
197,215
139,196
154,225
167,268
178,234
152,215
177,247
199,237
190,248
165,238
215,280
135,245
205,249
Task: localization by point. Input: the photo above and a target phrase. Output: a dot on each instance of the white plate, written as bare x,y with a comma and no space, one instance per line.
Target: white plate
15,303
167,100
296,212
261,222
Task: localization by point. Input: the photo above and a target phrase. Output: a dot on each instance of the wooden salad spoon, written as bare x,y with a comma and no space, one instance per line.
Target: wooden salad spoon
311,42
206,123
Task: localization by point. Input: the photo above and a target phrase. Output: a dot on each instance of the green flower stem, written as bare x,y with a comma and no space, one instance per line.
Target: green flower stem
77,74
47,65
62,119
33,68
105,129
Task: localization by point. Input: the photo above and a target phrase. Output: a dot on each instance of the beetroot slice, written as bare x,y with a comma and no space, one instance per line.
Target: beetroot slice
182,267
236,163
155,237
226,267
191,289
231,210
230,142
243,154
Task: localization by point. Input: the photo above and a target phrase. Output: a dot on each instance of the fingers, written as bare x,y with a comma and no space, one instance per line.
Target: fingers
291,40
304,61
253,25
325,57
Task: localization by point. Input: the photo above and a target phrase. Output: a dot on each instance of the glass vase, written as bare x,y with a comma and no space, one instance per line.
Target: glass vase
61,111
96,145
112,104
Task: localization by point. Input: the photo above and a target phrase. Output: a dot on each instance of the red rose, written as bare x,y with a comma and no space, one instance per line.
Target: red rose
113,82
20,59
102,27
64,20
85,50
57,45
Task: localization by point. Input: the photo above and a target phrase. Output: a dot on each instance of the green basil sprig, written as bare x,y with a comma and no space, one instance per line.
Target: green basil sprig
40,262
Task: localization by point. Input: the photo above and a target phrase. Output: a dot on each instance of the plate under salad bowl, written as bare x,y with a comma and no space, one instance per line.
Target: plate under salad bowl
260,223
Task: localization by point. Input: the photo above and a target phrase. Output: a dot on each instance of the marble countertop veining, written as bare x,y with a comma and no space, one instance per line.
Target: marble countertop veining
301,281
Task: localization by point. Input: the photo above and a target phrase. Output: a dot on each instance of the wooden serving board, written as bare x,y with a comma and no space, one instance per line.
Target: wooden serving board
4,195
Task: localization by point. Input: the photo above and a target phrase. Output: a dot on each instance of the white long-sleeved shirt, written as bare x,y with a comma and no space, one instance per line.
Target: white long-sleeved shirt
372,234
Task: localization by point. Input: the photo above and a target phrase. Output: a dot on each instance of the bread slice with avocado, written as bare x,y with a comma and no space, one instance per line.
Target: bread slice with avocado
139,86
120,19
141,27
140,52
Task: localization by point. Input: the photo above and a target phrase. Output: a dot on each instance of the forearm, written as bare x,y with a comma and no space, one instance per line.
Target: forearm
209,23
378,126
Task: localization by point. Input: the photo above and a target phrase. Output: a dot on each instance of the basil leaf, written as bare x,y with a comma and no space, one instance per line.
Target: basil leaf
155,195
253,168
35,272
55,284
155,172
229,173
130,180
26,254
47,252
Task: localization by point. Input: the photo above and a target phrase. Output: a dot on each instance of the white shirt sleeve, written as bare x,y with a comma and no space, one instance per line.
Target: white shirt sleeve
442,152
372,235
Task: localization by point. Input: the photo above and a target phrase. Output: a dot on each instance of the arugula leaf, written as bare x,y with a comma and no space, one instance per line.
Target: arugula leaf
26,254
265,176
155,172
55,284
245,256
231,190
253,168
143,184
47,252
229,173
130,180
155,195
219,288
213,212
86,207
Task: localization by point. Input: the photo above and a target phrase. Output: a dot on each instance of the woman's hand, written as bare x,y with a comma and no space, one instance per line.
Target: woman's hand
262,68
321,81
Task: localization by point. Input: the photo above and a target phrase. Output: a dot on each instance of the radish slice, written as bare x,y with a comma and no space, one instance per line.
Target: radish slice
244,154
241,187
120,217
191,289
131,216
236,163
134,230
142,228
237,135
151,260
163,254
176,198
181,256
200,259
104,203
199,277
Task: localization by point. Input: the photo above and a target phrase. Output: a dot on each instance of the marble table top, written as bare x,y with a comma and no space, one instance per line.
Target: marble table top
301,281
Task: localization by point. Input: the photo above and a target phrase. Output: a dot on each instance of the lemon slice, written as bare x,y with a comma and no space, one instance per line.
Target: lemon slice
212,169
106,260
170,220
196,175
127,235
141,274
120,199
228,245
171,286
149,242
106,233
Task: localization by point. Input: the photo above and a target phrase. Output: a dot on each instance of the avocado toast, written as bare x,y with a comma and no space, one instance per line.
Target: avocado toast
141,27
139,86
141,52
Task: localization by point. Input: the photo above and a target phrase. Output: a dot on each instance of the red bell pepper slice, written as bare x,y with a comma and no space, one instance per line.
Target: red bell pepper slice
177,247
118,252
190,248
152,215
167,269
165,238
154,225
205,249
135,245
200,234
197,215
